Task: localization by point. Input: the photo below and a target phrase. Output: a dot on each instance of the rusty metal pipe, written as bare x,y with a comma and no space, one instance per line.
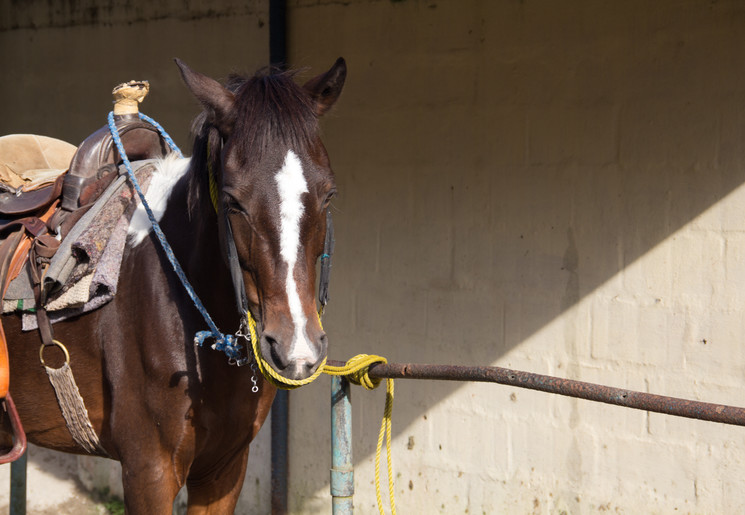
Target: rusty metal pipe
568,387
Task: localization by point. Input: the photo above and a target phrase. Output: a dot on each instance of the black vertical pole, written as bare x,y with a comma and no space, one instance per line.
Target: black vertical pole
280,456
18,485
281,407
278,33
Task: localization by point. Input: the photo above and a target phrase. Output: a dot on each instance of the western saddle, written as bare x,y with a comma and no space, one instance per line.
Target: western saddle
46,185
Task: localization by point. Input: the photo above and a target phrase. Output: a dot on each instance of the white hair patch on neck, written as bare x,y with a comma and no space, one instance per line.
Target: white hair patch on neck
291,185
167,173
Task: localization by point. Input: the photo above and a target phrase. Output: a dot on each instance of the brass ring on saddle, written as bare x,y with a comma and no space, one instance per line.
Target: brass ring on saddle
58,344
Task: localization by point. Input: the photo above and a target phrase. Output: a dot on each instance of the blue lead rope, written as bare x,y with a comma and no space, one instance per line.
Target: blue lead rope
226,343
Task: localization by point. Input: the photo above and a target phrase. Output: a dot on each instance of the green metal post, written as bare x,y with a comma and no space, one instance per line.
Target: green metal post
342,468
18,486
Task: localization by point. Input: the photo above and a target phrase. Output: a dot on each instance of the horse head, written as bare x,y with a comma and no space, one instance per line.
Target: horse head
259,139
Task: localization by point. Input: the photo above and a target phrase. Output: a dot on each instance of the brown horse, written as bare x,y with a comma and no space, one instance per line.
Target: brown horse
174,414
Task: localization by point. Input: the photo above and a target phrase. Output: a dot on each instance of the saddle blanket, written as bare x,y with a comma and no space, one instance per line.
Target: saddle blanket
84,272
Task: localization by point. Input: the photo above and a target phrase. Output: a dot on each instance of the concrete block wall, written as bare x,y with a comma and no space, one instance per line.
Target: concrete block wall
551,187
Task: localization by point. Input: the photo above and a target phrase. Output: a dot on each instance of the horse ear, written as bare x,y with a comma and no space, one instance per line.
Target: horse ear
326,88
212,95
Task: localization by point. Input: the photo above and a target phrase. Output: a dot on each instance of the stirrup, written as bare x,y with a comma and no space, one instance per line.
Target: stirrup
19,435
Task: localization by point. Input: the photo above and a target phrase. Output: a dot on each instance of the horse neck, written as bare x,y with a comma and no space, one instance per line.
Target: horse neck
193,233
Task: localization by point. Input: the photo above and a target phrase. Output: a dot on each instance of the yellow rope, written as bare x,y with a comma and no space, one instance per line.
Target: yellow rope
268,372
355,370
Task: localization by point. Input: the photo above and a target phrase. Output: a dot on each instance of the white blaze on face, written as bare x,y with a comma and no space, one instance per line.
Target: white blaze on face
291,185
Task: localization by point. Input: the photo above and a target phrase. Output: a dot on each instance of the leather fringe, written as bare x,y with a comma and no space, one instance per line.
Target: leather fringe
73,409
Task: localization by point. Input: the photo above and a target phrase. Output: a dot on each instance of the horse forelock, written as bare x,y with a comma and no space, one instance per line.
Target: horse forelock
271,111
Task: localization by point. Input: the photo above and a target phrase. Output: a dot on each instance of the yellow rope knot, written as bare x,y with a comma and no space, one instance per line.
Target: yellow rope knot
356,370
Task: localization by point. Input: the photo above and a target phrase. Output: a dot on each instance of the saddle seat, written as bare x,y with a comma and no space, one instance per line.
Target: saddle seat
30,167
28,161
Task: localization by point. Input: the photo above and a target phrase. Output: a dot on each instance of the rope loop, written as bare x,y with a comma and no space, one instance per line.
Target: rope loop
356,370
162,132
266,369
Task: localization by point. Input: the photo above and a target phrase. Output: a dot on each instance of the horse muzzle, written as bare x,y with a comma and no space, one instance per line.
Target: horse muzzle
291,357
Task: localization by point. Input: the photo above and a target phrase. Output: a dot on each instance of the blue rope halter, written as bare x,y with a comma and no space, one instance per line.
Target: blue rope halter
226,343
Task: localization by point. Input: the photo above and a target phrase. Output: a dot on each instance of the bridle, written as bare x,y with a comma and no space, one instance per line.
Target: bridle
248,320
236,272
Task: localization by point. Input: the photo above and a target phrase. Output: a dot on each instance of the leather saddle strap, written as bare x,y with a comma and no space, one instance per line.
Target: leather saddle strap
18,259
34,225
37,277
43,245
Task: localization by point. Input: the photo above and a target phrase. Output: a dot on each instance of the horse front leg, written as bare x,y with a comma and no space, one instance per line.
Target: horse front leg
216,490
150,485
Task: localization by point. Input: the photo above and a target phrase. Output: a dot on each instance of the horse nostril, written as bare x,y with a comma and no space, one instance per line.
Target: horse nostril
269,339
271,344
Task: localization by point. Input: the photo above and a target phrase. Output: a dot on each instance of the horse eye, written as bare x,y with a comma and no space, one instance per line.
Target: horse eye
329,198
233,206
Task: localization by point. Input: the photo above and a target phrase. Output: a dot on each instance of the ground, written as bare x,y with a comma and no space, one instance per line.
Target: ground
53,487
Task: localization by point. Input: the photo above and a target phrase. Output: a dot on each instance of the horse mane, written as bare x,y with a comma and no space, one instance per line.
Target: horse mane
270,109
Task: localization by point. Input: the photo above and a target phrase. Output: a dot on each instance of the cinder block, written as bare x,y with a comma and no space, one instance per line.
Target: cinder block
665,131
573,133
468,320
696,265
732,206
